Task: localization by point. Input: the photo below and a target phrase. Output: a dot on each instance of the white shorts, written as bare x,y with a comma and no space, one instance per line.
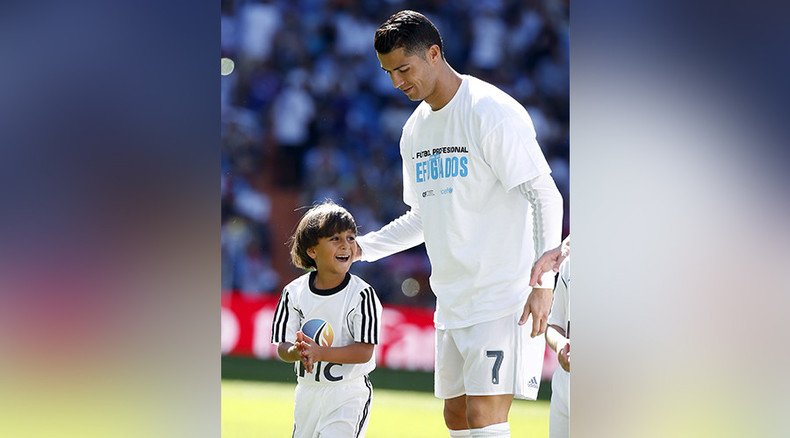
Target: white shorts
560,408
491,358
336,410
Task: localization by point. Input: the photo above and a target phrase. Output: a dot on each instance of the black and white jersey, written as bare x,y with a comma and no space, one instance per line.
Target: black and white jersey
348,313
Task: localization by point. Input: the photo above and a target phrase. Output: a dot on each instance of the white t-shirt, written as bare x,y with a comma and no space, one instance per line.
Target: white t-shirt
352,312
461,165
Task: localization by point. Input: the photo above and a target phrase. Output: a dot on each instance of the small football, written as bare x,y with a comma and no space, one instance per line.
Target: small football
320,331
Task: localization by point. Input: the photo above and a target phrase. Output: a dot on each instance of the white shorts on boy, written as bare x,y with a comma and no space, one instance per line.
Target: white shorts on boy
339,410
490,358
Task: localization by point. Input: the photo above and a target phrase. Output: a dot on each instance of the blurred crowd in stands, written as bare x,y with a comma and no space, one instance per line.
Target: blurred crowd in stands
308,109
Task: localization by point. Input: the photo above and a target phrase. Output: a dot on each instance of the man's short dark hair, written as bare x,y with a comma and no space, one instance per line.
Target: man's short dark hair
409,30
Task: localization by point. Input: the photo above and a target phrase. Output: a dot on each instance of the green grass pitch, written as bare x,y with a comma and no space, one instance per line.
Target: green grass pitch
265,409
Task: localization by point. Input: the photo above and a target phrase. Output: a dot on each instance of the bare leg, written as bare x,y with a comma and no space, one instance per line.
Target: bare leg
455,413
482,411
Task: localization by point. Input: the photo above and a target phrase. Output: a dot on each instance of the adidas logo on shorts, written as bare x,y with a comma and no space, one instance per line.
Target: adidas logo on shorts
533,382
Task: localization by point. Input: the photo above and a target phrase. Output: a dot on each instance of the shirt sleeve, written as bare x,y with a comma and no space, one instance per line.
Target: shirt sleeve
511,149
546,202
365,319
401,234
286,321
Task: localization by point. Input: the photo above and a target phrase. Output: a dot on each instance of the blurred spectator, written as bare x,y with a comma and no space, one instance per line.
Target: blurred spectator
291,114
488,45
255,272
234,237
353,33
258,22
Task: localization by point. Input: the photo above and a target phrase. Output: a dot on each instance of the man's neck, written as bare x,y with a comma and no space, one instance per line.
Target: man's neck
447,85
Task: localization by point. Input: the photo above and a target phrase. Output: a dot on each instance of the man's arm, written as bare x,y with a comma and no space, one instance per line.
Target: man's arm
546,202
402,233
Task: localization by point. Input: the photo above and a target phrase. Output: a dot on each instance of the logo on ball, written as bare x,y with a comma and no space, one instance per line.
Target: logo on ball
320,331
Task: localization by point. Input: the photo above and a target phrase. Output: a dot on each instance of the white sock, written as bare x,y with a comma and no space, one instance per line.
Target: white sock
455,433
500,430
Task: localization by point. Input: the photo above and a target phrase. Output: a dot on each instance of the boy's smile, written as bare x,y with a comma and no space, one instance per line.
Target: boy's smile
333,256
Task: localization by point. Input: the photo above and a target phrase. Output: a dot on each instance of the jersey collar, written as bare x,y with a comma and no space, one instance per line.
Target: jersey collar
327,292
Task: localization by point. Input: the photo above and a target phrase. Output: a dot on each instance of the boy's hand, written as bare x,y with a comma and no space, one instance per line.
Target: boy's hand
309,350
301,345
300,337
564,357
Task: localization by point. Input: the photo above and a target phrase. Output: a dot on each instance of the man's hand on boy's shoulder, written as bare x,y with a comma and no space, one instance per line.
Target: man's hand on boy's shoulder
357,253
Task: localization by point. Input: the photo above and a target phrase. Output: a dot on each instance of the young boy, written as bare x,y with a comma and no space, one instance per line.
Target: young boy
328,322
558,337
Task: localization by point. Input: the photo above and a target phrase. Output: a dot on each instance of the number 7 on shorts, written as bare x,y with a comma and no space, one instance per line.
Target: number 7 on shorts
499,355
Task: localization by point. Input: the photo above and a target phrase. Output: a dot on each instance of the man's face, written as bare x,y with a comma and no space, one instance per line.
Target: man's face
414,75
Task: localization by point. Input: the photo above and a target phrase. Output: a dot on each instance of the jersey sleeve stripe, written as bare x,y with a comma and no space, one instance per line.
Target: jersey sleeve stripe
277,311
280,319
371,312
375,317
363,308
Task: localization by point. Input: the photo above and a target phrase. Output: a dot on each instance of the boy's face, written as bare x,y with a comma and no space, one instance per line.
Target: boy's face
334,254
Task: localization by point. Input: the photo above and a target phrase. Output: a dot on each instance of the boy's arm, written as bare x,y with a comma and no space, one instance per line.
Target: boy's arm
358,352
285,323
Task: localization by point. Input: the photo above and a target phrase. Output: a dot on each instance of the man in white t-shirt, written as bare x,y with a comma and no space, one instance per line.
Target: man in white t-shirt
482,200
